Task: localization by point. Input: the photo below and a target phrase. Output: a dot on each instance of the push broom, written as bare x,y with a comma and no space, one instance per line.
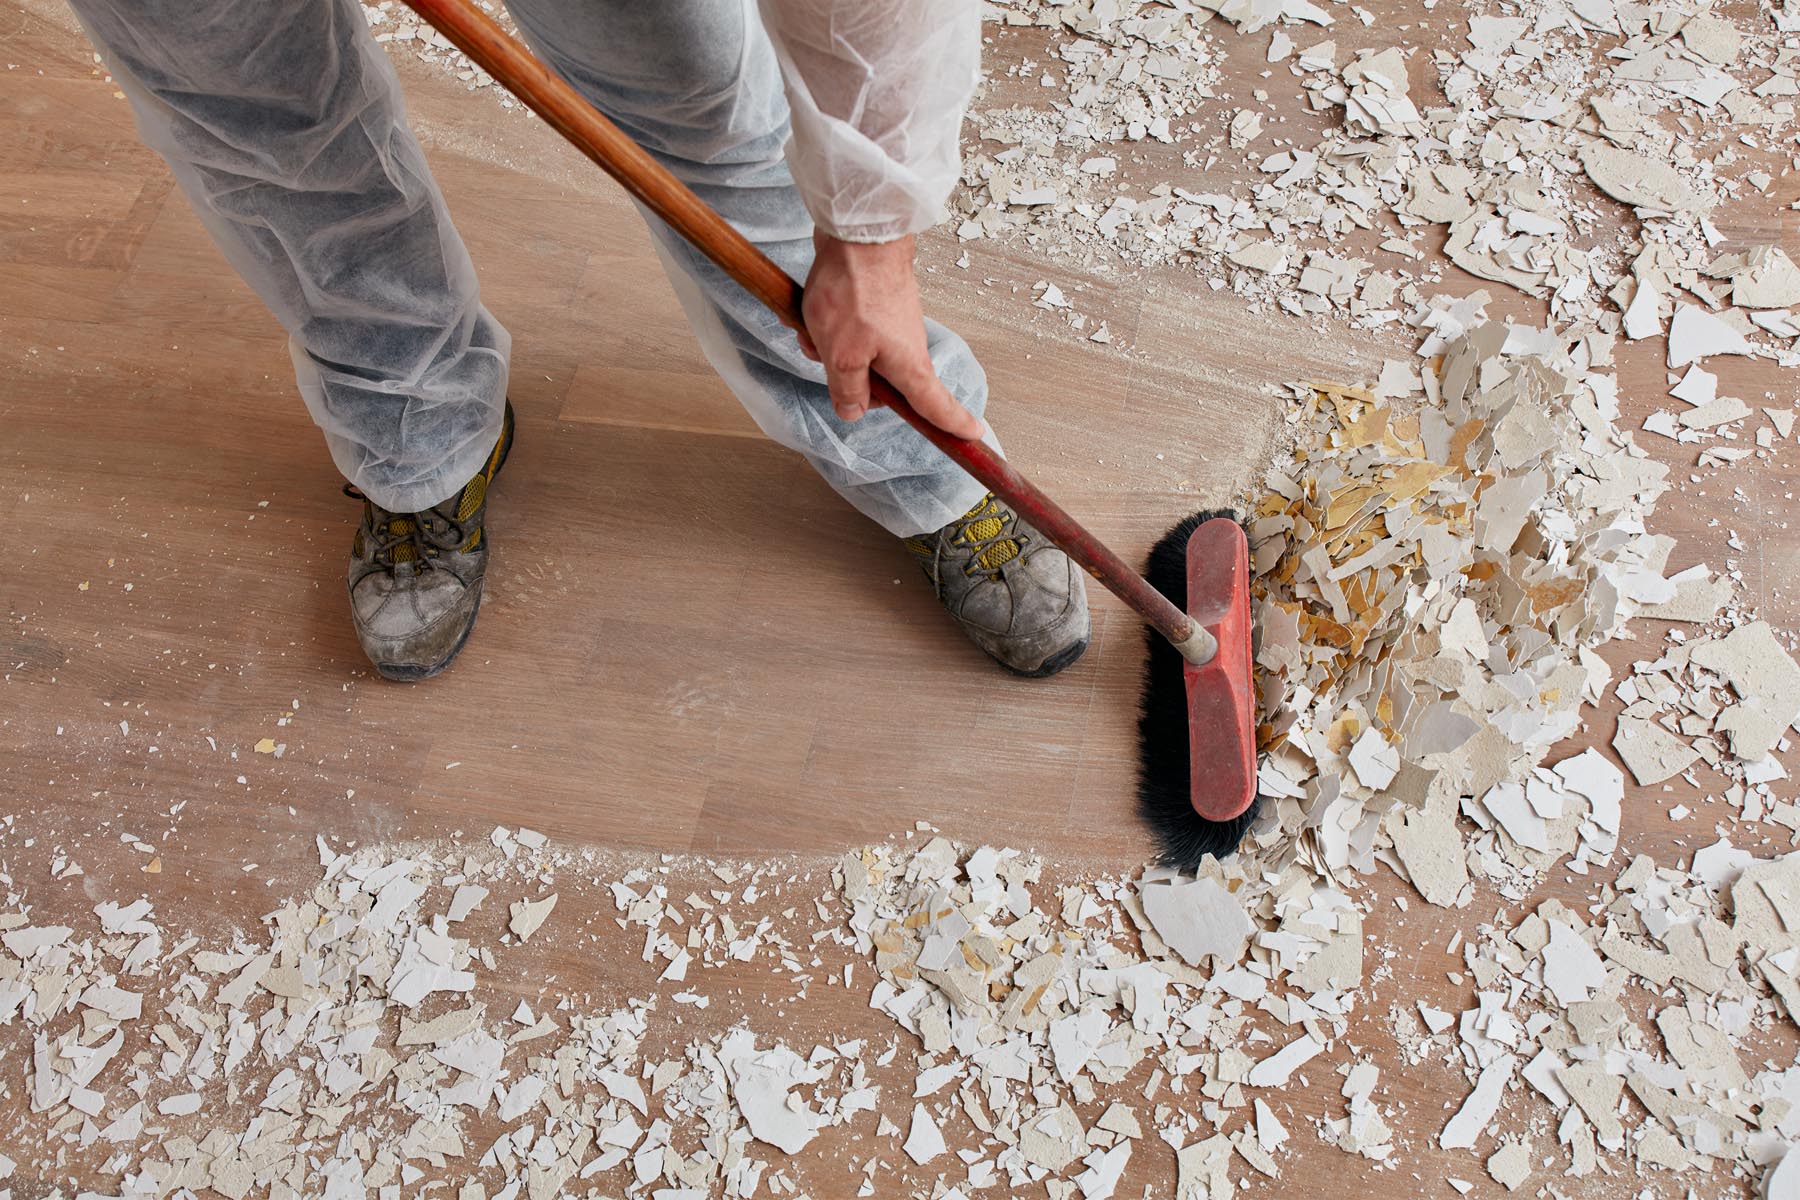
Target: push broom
1197,729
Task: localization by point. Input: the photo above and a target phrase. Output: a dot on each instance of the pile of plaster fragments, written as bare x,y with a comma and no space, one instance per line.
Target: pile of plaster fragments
1578,155
1438,563
302,1062
347,1050
1436,570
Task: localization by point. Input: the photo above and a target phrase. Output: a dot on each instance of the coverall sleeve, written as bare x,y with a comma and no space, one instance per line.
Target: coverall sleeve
876,89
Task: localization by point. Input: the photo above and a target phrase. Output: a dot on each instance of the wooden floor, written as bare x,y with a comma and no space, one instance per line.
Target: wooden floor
688,642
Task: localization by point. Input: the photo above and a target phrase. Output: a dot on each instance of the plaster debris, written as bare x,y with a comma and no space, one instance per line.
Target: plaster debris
1573,971
1696,334
1651,752
1642,319
1197,918
1663,112
1472,1119
1639,180
528,915
1276,1069
1782,1181
1762,277
1031,1014
1104,1167
1765,680
762,1083
1510,1166
1399,703
1700,597
1267,257
925,1142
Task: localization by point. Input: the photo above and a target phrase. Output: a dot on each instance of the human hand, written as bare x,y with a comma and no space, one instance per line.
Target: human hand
862,314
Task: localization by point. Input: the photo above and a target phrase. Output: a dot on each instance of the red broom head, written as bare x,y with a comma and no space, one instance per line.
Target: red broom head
1197,726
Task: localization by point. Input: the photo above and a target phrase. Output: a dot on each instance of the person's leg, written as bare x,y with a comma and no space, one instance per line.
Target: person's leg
695,83
282,121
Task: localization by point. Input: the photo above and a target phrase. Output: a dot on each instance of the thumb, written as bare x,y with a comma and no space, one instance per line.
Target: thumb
849,390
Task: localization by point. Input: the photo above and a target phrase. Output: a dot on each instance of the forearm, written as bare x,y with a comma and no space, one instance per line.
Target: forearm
876,91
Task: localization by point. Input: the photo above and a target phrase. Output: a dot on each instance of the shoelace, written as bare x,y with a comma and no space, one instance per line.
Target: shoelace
427,533
1004,522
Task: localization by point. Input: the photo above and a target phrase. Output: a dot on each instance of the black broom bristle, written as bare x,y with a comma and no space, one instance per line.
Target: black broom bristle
1183,836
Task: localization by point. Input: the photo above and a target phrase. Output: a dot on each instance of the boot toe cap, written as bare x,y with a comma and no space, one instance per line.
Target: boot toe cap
413,631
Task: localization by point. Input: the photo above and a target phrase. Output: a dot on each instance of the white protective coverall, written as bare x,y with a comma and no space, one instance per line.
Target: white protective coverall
282,121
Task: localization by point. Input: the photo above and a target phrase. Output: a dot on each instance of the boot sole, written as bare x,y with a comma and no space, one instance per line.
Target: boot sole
409,673
1056,662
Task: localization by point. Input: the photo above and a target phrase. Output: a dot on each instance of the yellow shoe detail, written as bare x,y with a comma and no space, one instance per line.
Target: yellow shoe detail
985,522
472,497
476,491
403,552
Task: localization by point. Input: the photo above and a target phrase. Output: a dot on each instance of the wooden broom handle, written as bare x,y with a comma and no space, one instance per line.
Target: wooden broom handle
477,35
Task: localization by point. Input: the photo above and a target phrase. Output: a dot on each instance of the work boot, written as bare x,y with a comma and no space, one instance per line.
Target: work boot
1017,596
415,578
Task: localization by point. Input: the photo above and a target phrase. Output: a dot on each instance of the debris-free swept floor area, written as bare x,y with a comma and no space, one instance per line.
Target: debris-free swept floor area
1488,313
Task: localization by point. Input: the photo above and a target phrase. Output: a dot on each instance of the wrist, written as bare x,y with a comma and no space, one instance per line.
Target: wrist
885,249
878,231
